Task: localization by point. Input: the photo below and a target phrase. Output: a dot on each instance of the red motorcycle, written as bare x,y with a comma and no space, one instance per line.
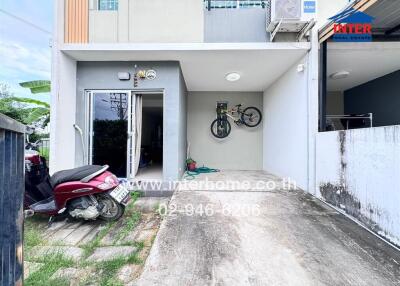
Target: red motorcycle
87,192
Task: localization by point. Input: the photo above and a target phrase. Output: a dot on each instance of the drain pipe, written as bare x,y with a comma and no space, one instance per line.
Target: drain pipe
77,128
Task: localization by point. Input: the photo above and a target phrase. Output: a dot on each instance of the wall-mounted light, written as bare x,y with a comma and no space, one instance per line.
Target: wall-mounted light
232,76
340,75
300,68
124,76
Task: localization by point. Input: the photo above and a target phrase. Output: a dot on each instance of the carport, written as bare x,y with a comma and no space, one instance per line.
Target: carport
192,78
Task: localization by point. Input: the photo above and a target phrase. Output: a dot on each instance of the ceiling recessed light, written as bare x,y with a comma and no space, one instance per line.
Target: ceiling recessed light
232,76
340,75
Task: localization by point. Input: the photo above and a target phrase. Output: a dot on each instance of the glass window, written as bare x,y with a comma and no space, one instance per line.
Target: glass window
233,4
108,5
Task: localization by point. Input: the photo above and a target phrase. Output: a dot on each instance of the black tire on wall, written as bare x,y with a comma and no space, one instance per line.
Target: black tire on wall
217,124
251,110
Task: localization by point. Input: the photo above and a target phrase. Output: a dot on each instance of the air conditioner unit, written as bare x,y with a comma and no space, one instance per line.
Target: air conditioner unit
290,15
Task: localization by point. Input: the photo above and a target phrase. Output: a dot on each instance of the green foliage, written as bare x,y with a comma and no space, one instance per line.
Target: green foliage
109,269
89,247
51,264
131,221
37,86
29,101
37,114
36,137
32,237
25,110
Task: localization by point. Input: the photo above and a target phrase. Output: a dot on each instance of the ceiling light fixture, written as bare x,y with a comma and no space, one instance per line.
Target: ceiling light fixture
232,76
339,75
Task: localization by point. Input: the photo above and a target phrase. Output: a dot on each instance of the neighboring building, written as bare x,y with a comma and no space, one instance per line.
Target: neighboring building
358,170
188,47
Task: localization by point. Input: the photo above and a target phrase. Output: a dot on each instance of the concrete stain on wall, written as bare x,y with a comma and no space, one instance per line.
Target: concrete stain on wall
339,196
344,191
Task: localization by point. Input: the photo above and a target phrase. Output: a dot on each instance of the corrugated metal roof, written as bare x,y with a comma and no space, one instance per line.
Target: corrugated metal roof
386,13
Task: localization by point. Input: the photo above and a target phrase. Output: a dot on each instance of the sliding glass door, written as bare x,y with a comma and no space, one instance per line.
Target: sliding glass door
110,127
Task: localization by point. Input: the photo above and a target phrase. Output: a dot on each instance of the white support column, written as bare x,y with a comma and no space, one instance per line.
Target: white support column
63,99
313,82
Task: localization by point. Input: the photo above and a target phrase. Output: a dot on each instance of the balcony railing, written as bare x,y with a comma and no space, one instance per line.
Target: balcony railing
235,4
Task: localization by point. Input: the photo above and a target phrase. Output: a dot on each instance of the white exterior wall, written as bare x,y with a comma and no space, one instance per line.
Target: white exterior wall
63,99
103,26
143,21
359,171
286,126
241,150
166,21
63,109
327,9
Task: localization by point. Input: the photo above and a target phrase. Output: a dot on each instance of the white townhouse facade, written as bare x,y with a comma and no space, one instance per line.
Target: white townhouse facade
135,85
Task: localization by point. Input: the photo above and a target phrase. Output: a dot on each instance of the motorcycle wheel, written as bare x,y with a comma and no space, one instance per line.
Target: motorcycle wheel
113,211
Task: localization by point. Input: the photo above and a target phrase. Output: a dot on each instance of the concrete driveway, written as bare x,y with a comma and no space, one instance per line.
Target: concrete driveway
276,237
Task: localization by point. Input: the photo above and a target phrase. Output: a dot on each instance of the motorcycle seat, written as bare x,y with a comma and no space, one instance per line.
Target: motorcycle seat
75,174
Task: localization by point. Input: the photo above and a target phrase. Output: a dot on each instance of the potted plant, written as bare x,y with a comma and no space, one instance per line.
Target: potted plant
190,164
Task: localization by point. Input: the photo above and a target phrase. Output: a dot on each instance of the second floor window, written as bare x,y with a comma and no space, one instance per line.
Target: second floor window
234,4
108,5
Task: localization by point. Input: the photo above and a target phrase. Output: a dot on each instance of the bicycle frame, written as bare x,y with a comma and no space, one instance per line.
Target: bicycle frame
229,113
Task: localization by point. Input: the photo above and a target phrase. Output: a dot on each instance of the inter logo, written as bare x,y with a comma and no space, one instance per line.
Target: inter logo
352,26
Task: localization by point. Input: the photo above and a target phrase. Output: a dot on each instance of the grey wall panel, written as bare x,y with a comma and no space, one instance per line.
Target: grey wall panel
235,25
183,95
380,96
241,150
11,201
103,75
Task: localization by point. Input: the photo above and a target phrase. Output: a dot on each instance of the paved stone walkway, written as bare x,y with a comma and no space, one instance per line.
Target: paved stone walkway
71,238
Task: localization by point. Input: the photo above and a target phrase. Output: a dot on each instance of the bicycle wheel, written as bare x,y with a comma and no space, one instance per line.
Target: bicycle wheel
251,116
220,128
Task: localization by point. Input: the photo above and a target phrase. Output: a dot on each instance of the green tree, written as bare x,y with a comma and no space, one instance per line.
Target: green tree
15,110
37,86
25,110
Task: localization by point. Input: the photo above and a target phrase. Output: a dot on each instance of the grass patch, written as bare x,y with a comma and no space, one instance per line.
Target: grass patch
32,237
135,195
89,247
51,264
130,222
108,270
134,259
33,229
131,217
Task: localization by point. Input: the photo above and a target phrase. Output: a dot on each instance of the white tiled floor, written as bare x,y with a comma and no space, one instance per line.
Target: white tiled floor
149,173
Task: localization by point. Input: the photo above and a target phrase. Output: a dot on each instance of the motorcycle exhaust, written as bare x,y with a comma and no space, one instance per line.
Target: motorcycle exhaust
28,213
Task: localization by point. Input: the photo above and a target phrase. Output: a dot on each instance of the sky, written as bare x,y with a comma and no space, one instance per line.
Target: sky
25,52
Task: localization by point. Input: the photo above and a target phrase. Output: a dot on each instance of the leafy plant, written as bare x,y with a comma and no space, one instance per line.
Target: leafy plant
25,110
37,86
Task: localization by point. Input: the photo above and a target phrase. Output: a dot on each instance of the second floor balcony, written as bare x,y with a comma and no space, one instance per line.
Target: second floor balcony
165,21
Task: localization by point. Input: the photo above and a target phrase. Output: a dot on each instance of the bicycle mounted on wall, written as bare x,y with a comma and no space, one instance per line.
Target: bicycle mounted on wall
221,127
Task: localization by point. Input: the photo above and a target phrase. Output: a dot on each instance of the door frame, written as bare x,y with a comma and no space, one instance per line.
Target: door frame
131,94
160,91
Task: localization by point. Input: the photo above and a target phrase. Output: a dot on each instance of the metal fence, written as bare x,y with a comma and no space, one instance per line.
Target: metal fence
44,148
12,136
